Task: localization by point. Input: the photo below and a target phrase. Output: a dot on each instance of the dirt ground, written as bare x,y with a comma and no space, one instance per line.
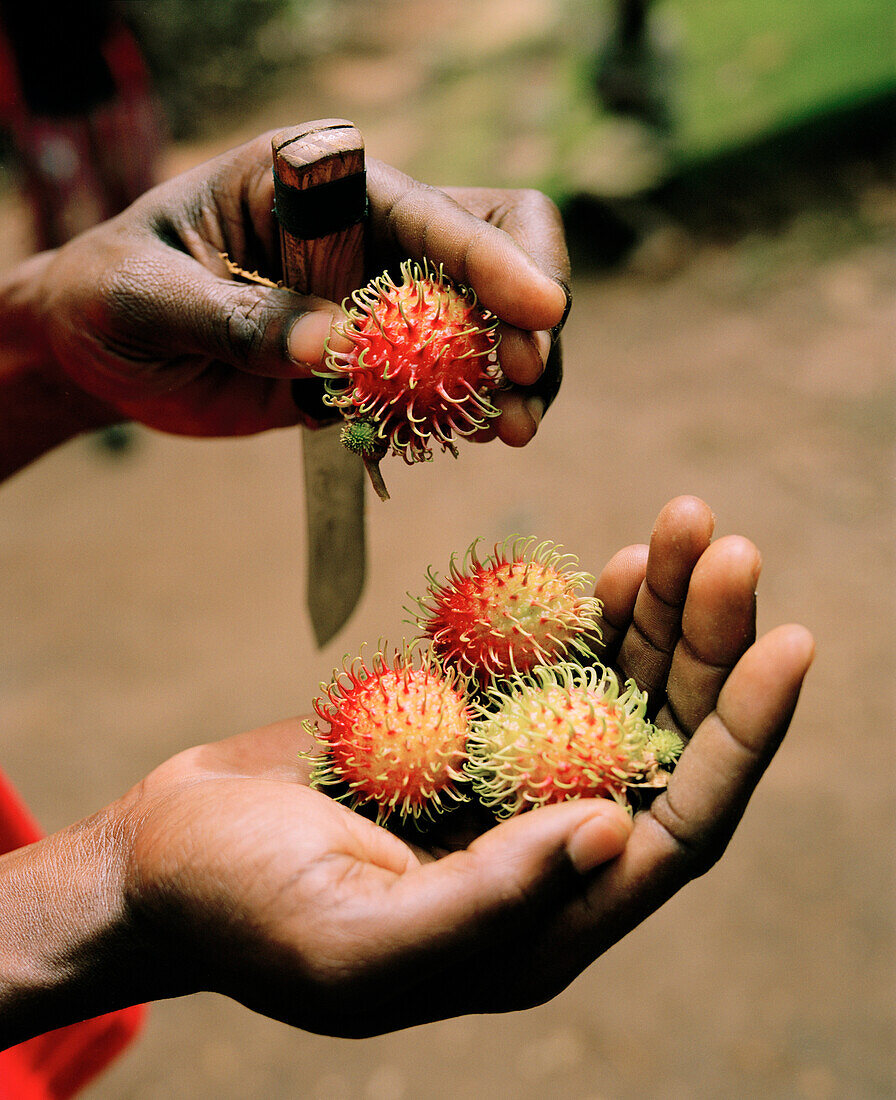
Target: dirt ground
155,600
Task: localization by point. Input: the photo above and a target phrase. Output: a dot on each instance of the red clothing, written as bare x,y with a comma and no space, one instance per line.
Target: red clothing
80,109
57,1065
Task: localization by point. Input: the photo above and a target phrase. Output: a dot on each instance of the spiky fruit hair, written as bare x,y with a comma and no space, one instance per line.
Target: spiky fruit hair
562,732
423,361
392,735
526,604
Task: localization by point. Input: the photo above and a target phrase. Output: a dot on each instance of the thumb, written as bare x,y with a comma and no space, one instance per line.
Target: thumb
262,330
516,870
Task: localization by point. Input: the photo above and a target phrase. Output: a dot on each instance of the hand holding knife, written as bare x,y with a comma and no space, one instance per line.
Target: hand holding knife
321,202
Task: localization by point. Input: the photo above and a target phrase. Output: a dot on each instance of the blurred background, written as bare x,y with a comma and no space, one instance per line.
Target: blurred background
726,171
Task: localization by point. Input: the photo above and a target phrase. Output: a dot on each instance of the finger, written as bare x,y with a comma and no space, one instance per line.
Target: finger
518,422
523,355
510,874
681,534
215,401
171,302
229,402
534,222
617,590
530,218
468,907
546,387
518,285
522,409
223,205
689,825
733,746
718,625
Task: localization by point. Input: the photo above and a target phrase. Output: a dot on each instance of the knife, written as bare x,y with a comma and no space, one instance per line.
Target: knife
320,193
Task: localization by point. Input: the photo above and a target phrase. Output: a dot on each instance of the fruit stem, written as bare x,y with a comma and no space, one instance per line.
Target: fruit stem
372,466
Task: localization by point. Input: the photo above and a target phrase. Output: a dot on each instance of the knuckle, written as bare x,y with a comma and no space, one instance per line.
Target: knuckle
693,853
243,326
412,211
536,200
534,206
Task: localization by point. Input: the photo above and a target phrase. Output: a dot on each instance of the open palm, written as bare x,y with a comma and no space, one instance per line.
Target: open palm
245,881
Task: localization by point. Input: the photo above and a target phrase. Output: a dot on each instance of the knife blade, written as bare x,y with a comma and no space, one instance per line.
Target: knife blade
321,201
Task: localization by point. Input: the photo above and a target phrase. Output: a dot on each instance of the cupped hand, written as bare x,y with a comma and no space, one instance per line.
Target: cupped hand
244,880
143,314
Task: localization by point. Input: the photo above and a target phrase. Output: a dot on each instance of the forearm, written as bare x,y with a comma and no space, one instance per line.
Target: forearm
39,407
65,946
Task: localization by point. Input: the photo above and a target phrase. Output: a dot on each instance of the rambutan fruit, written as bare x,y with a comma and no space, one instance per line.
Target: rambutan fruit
562,732
526,604
422,364
392,735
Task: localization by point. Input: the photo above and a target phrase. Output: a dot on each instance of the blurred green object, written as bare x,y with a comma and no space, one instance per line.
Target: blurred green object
516,102
115,441
734,73
750,67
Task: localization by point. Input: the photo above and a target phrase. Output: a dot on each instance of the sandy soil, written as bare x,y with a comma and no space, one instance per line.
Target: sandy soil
155,600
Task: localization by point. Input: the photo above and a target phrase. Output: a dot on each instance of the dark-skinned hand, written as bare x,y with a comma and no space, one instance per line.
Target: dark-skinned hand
142,314
237,877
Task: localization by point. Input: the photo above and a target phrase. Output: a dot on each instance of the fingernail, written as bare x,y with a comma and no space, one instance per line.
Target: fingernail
599,839
542,341
558,328
308,336
535,408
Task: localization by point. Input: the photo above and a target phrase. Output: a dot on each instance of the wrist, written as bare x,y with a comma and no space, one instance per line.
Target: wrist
40,406
67,950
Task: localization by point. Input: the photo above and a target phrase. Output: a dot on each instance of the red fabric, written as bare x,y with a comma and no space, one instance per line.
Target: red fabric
126,63
57,1065
86,167
10,107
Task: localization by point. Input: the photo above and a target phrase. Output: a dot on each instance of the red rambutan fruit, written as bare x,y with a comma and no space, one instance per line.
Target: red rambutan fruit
423,361
565,732
527,604
392,735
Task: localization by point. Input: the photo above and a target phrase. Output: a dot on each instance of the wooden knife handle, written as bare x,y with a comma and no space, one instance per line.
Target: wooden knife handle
320,190
321,201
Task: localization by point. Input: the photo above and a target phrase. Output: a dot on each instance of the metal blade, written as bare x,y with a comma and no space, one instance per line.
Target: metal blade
334,506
